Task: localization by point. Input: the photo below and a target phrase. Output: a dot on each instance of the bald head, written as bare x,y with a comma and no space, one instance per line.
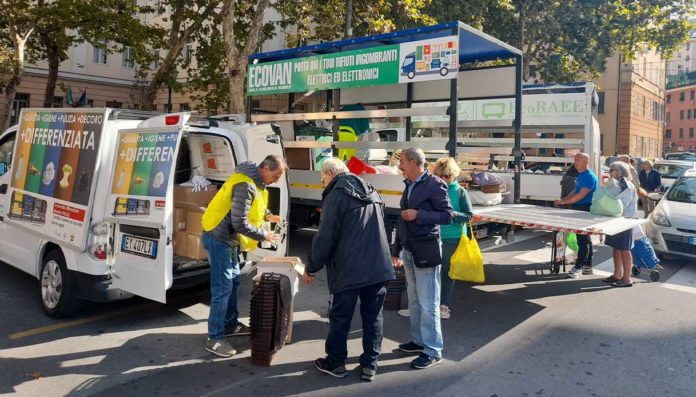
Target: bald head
582,162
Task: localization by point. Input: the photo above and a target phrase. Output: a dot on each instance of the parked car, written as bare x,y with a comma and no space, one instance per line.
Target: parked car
671,170
687,156
672,225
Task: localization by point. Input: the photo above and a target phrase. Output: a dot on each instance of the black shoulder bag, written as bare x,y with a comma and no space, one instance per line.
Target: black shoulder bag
427,251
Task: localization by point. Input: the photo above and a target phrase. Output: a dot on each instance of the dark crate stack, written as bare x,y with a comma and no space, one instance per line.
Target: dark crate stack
271,308
395,288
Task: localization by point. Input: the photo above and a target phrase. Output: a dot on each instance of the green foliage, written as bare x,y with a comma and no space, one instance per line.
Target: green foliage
568,40
323,20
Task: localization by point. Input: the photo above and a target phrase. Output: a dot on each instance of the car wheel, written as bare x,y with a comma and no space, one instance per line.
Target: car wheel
411,75
58,287
443,71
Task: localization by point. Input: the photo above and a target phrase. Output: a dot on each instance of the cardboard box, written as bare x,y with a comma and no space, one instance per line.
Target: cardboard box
290,266
179,242
179,219
493,188
185,194
193,222
194,247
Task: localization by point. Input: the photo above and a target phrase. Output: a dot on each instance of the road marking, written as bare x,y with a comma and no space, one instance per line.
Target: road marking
98,317
684,281
73,323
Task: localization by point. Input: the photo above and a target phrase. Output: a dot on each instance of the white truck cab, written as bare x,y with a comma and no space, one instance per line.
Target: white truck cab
87,199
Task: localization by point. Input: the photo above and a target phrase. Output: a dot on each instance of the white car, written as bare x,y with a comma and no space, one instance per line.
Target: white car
672,225
670,170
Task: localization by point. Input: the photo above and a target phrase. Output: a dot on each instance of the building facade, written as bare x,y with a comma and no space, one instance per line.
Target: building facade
684,59
108,80
681,114
631,105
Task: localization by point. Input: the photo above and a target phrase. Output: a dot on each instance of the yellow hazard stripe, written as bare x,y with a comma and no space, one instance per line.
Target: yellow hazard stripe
318,186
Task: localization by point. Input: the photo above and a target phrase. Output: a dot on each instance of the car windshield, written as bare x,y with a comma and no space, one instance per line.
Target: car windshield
681,156
672,171
683,190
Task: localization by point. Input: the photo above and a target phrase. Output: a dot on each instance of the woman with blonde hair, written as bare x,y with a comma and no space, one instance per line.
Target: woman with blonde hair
448,170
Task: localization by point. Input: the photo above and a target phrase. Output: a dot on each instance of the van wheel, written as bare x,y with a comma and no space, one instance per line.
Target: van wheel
58,287
443,71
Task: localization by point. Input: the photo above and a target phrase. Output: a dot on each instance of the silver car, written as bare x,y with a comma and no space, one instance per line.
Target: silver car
672,225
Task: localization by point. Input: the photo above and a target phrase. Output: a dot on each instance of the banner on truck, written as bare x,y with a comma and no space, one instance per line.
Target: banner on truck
537,109
424,60
142,171
53,171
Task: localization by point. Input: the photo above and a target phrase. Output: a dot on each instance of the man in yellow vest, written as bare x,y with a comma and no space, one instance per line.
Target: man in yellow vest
232,220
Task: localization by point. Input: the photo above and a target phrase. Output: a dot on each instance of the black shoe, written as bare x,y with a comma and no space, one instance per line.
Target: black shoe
322,365
238,330
368,373
425,361
411,347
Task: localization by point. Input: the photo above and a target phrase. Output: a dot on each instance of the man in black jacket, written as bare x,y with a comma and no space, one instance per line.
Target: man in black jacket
352,243
424,206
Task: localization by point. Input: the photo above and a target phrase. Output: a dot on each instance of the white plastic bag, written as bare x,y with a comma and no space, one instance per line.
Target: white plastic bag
480,198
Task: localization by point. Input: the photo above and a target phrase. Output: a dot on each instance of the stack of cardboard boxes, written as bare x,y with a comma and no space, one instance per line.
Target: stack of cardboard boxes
188,212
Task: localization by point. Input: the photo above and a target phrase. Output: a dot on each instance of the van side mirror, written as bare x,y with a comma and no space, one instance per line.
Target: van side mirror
655,196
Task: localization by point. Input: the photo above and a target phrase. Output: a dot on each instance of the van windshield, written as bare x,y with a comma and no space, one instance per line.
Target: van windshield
683,191
671,171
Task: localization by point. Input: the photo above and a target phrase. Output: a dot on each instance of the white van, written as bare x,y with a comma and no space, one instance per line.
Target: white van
88,197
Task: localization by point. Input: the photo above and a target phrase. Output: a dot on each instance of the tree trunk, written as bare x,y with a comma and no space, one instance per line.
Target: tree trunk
20,42
178,37
237,61
52,78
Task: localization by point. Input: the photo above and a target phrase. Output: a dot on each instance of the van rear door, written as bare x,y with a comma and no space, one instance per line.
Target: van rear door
140,210
262,141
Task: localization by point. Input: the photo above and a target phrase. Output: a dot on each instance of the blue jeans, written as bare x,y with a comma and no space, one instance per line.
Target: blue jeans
423,286
342,309
224,285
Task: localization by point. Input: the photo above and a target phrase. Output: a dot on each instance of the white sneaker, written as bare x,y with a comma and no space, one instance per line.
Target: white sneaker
445,312
575,272
404,313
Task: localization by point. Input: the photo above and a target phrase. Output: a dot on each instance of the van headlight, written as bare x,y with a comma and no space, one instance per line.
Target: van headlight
659,218
100,229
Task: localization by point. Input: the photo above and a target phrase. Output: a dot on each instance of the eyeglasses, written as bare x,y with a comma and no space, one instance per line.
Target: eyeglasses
322,179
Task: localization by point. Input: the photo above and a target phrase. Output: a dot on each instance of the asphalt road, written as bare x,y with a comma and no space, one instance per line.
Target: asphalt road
523,333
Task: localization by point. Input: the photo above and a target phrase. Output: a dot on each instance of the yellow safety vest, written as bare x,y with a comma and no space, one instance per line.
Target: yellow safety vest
346,134
221,205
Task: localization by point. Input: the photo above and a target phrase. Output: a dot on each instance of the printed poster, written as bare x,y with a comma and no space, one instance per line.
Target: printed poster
142,172
53,171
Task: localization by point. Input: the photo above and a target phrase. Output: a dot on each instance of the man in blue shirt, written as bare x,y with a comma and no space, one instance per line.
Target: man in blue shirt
581,199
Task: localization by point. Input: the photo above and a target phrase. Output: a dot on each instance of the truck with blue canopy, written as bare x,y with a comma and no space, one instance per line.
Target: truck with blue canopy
405,84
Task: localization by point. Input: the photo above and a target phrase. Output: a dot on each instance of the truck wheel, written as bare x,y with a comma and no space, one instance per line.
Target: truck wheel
57,287
411,74
443,71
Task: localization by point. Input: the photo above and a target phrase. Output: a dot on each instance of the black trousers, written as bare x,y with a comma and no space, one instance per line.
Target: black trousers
340,316
584,242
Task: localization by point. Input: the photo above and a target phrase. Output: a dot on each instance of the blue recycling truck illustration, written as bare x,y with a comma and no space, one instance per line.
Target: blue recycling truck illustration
431,58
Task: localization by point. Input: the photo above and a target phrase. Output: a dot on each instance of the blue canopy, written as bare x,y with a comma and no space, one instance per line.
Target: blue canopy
474,45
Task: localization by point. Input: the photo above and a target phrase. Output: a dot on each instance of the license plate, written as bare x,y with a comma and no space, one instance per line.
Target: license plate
481,233
692,240
139,246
